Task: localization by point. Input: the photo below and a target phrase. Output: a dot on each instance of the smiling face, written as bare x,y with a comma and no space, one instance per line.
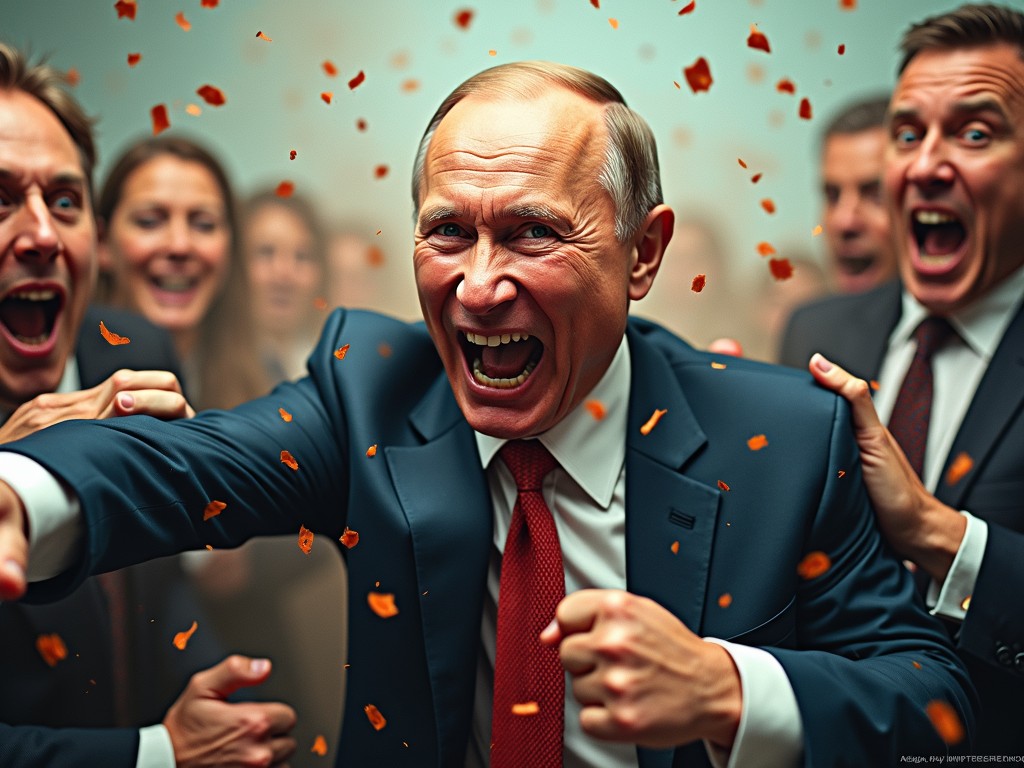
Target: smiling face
861,249
522,283
955,172
168,242
48,241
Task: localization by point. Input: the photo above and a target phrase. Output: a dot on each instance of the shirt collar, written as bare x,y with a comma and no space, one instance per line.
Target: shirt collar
981,324
589,449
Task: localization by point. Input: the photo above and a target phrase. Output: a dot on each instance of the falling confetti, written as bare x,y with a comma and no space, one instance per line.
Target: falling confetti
134,58
329,68
384,349
816,231
724,486
719,366
874,385
262,36
841,474
526,708
917,665
725,600
847,5
945,721
126,9
213,509
159,116
813,565
376,719
349,538
698,283
781,269
785,85
614,23
742,162
688,8
326,96
112,338
766,249
182,21
463,18
596,408
768,204
371,451
194,110
698,75
965,604
360,124
289,461
805,109
340,352
319,746
305,539
292,154
285,416
211,95
756,178
51,647
181,639
382,603
411,85
757,40
653,421
356,81
841,49
209,3
72,77
492,52
596,4
959,468
675,547
380,172
285,189
757,442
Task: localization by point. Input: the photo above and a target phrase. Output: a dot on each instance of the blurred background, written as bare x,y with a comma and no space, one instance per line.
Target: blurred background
353,155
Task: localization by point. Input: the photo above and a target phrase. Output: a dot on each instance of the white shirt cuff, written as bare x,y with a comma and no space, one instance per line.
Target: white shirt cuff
952,600
55,527
155,748
771,732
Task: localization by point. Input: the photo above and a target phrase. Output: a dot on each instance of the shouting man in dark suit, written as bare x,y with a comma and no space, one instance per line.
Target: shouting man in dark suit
955,183
580,541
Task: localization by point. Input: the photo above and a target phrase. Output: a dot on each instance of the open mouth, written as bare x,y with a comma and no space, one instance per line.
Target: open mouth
938,235
855,265
30,315
502,361
174,283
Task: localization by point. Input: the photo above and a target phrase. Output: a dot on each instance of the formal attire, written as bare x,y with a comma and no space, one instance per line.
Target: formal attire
81,698
750,469
973,461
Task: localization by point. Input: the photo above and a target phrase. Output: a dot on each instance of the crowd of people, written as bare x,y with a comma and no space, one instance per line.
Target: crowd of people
564,536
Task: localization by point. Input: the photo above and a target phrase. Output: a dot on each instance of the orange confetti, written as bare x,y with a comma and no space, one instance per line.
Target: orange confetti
410,85
463,18
380,171
756,178
841,49
741,162
349,538
288,460
841,474
382,603
785,85
813,565
326,96
675,547
284,414
805,109
698,75
724,486
194,110
757,40
261,36
698,283
945,721
51,648
126,9
917,665
377,720
596,4
653,421
614,23
961,466
160,119
688,8
757,442
112,338
725,600
329,68
371,451
596,408
72,77
305,539
340,352
492,52
320,303
285,189
213,509
718,366
209,3
181,639
874,385
768,204
781,269
319,746
766,249
965,604
292,154
356,81
134,58
211,95
374,255
526,708
847,5
182,21
384,349
816,231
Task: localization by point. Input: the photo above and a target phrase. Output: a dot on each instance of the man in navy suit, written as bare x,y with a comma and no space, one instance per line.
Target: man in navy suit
955,183
55,366
728,596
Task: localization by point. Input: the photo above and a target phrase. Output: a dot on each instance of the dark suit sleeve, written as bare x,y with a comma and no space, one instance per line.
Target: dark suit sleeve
868,660
30,746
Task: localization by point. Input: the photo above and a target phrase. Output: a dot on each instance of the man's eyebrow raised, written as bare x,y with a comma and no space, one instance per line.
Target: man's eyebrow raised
437,213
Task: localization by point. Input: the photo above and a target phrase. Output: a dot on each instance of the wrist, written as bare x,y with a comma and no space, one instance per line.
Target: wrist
941,534
723,702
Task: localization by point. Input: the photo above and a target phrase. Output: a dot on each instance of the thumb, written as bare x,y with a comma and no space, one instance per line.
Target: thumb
234,672
856,391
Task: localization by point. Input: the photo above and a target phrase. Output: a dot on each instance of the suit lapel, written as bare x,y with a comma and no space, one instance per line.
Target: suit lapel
864,349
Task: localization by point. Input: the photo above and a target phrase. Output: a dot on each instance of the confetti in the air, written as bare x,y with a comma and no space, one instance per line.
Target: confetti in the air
285,416
725,600
158,114
341,351
785,85
371,451
614,23
288,460
209,3
652,422
356,81
841,49
181,639
959,468
526,708
847,5
675,547
813,565
349,538
182,22
596,408
329,69
285,189
377,720
742,162
463,18
757,442
126,9
305,539
781,269
805,109
756,178
688,8
382,603
134,58
757,40
768,205
874,385
698,283
698,75
816,231
292,154
51,647
724,486
319,746
326,97
766,249
380,172
72,77
112,338
262,36
945,721
211,95
213,509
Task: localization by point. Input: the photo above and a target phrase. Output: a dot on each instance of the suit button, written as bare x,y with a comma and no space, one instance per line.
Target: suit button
1018,662
1003,654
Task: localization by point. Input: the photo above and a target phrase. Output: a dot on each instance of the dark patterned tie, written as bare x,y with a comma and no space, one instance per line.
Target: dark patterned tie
912,412
529,683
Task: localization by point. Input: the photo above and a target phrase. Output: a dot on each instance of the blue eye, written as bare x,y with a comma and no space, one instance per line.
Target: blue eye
449,230
905,136
64,202
975,135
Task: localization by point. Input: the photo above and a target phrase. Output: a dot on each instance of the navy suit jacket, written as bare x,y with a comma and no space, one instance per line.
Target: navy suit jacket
75,698
848,639
854,331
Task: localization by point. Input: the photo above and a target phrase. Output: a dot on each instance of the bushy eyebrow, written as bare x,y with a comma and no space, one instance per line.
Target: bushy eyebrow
966,107
437,213
66,179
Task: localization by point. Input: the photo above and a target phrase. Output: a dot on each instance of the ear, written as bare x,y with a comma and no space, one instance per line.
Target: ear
650,243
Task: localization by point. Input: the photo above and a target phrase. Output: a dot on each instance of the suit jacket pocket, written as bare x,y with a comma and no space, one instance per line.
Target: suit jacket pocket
778,631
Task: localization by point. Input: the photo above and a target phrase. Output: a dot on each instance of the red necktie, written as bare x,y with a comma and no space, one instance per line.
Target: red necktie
532,584
912,412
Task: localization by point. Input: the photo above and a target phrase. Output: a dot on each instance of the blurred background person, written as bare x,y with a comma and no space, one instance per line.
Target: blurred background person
778,298
354,276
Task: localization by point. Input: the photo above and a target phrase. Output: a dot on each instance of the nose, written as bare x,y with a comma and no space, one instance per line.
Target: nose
485,285
38,241
179,238
929,165
845,214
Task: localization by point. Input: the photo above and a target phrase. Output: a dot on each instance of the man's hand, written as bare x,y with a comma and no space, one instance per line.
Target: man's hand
206,730
641,674
155,393
916,524
13,544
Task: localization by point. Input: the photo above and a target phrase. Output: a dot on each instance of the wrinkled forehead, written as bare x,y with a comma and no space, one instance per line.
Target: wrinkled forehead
990,72
26,121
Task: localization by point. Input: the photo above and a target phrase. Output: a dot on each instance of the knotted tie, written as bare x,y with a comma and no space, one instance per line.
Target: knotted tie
532,584
912,412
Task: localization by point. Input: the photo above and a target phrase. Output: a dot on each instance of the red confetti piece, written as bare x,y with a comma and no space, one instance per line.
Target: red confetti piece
596,4
371,451
319,746
112,338
917,665
841,474
134,58
72,77
181,639
785,85
527,708
374,255
261,36
805,109
213,509
959,468
376,719
847,5
841,49
380,172
340,352
596,408
725,600
158,114
757,40
698,75
285,189
756,178
757,442
688,8
614,23
463,18
211,95
305,539
360,124
813,565
356,81
126,9
653,421
329,68
285,416
349,538
742,162
874,385
51,647
698,283
781,269
766,249
945,721
675,547
288,460
724,486
292,154
182,21
326,96
768,205
209,3
382,603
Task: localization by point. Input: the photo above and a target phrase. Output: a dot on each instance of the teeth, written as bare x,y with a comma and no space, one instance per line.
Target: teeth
40,295
933,217
494,341
32,340
174,283
487,381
